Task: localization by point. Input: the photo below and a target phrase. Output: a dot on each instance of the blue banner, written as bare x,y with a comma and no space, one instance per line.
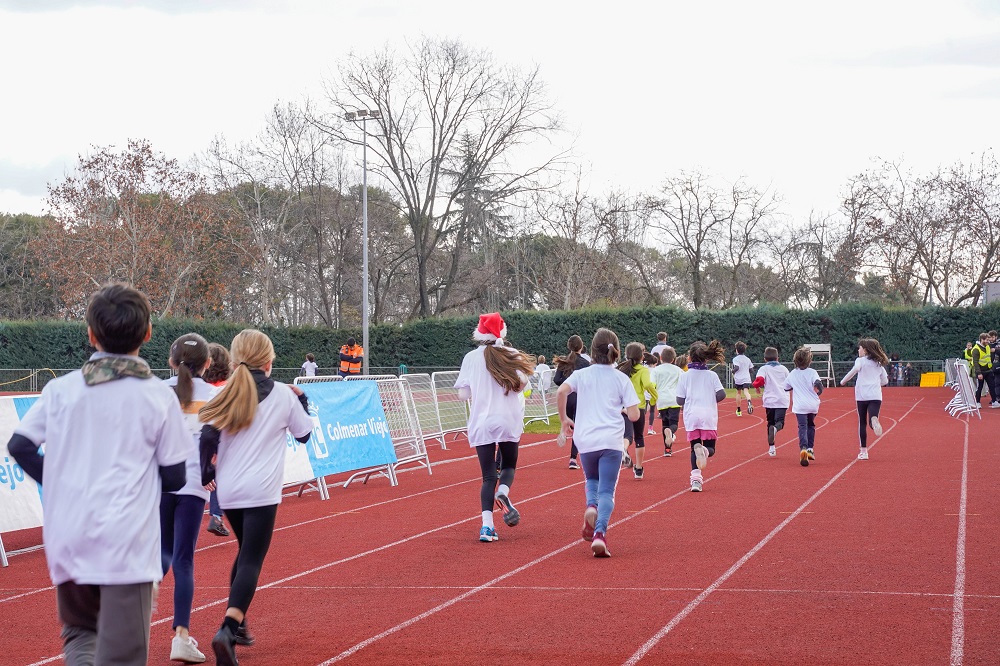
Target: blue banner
350,431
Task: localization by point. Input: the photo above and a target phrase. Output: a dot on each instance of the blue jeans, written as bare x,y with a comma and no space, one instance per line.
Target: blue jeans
807,430
180,522
213,504
601,469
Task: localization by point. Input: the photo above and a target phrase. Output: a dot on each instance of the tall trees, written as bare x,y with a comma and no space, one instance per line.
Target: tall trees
452,120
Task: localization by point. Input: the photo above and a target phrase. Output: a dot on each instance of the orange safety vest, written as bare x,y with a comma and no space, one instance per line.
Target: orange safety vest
351,368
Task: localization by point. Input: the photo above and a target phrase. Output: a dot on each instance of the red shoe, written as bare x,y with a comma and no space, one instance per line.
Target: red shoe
589,520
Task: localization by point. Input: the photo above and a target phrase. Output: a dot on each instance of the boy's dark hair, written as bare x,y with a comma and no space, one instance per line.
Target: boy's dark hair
310,358
119,317
770,354
993,334
803,358
668,355
661,337
219,370
741,347
351,342
604,348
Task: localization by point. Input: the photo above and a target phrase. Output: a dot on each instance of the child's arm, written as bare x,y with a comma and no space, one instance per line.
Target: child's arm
818,387
884,377
173,477
208,447
853,371
26,454
758,383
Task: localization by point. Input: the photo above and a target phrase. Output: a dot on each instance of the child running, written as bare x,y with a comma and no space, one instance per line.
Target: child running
806,387
181,511
650,360
699,391
639,375
603,394
565,365
493,377
870,369
742,365
771,377
216,375
245,435
665,376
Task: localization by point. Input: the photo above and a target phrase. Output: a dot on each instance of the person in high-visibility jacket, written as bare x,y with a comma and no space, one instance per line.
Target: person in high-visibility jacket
967,354
982,368
351,356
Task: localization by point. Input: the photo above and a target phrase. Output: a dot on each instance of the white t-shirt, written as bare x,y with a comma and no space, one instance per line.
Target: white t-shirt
698,388
493,416
104,445
602,392
585,356
201,394
775,396
801,383
251,463
666,376
309,369
658,347
742,365
544,374
871,378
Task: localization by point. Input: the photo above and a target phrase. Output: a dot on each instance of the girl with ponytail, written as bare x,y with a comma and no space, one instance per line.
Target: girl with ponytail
643,384
698,392
565,365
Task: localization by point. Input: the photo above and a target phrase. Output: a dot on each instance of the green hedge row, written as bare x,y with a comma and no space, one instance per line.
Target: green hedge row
922,333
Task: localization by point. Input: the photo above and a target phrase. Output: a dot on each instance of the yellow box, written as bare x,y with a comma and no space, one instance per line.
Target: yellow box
932,379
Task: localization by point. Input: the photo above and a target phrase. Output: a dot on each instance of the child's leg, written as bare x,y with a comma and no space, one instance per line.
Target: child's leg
628,436
874,407
674,418
779,418
123,624
769,415
78,607
811,429
640,439
508,451
694,458
803,430
609,465
863,422
667,432
257,528
487,464
651,409
589,462
187,524
168,503
573,451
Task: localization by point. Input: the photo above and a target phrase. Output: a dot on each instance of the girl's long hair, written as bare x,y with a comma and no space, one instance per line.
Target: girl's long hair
633,357
567,364
188,355
702,353
234,407
503,364
874,349
604,348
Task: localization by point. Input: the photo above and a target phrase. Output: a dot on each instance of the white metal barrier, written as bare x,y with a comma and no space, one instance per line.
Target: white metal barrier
369,378
422,390
317,379
452,410
404,430
540,404
964,401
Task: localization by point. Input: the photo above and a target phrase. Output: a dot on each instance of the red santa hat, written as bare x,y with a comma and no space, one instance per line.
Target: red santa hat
491,328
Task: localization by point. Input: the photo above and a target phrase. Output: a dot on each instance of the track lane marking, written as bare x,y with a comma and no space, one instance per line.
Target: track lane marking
958,601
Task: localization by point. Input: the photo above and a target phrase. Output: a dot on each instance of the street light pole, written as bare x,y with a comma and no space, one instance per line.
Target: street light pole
363,115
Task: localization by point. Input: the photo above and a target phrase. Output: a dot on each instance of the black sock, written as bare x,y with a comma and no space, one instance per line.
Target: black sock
231,623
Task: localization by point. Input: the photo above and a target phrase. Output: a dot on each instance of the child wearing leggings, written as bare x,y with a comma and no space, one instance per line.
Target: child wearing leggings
870,371
699,392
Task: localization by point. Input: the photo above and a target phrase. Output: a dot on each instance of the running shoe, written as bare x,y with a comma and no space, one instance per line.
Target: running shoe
186,650
217,527
243,635
812,456
600,545
510,515
700,455
637,472
696,485
771,451
749,407
223,645
863,455
573,464
803,457
666,452
738,412
650,432
876,426
589,520
626,461
488,534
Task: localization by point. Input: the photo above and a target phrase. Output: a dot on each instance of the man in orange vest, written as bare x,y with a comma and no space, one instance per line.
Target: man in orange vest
351,355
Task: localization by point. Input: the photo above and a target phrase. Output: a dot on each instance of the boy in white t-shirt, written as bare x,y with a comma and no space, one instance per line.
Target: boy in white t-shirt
103,484
309,367
742,365
666,375
806,387
771,377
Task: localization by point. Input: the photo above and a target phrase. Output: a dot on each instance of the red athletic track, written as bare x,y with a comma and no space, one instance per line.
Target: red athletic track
885,561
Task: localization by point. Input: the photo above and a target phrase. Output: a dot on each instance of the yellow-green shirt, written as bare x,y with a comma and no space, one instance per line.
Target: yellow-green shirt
643,384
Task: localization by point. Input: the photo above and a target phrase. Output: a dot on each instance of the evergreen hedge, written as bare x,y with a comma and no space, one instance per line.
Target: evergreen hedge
913,333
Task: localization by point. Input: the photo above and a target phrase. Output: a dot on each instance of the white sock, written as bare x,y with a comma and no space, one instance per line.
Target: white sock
487,519
503,490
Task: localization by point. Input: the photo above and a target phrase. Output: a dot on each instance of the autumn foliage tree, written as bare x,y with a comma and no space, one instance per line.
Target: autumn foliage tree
138,217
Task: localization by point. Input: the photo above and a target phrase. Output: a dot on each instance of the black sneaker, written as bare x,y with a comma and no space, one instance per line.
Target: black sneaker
243,636
637,471
667,452
511,517
223,645
217,527
626,461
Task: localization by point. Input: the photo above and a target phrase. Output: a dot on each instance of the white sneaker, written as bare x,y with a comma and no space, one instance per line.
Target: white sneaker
700,455
186,650
771,451
863,455
995,405
876,426
653,432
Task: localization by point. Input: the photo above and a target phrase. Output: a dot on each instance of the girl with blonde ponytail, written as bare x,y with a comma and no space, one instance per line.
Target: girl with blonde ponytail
245,437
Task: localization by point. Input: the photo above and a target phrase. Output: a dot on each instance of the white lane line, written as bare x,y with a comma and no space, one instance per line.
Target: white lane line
697,601
958,602
413,620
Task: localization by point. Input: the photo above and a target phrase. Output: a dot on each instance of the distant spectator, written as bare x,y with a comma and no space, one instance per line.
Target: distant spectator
309,367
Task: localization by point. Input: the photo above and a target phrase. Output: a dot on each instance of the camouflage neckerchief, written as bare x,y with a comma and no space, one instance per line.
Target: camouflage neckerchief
109,368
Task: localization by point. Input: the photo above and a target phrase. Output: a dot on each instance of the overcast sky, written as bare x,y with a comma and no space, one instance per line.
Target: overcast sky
796,96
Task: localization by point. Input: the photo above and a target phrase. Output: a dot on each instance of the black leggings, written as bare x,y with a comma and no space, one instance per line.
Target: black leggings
670,418
253,528
867,409
488,464
708,444
638,429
